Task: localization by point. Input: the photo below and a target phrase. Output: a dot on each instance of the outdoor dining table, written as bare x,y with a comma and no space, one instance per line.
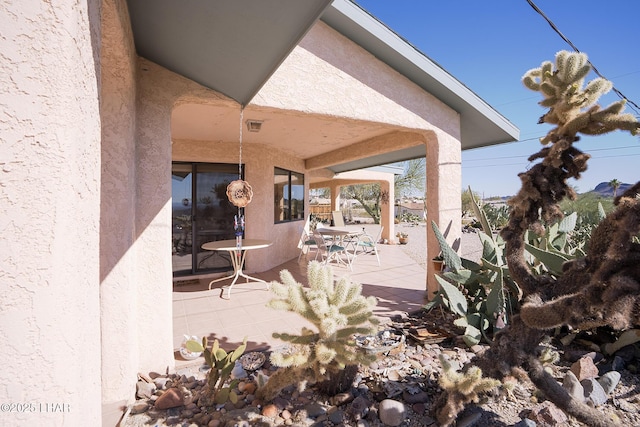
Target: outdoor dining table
238,255
345,236
339,232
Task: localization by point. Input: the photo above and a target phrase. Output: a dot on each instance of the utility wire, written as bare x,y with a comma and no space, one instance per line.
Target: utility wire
525,162
526,156
595,70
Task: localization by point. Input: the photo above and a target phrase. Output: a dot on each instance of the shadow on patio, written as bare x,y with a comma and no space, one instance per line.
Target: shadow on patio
398,284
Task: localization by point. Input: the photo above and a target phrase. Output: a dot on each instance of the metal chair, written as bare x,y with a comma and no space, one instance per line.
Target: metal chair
338,219
331,251
367,244
306,241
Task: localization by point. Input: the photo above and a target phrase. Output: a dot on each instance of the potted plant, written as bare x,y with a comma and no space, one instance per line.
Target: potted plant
438,262
402,237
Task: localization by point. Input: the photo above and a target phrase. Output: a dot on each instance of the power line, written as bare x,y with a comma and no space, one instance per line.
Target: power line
524,163
595,70
526,156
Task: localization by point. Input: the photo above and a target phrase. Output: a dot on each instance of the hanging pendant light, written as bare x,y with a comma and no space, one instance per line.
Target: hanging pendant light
239,192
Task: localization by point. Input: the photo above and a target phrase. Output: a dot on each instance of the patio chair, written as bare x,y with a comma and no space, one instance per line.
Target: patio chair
306,242
368,244
338,219
331,251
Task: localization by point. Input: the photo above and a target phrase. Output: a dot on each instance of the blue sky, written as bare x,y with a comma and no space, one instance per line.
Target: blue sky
489,46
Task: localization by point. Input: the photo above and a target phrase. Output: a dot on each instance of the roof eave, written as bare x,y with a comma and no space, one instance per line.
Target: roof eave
481,125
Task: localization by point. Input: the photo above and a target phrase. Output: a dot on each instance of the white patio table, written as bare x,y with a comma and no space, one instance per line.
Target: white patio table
344,236
237,259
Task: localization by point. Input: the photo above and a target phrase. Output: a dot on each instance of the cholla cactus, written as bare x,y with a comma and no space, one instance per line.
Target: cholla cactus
338,310
572,107
601,289
461,388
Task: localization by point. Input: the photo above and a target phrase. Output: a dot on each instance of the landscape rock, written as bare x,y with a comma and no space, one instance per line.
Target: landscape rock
547,414
270,411
594,392
584,368
609,381
420,397
314,409
161,382
139,407
144,390
336,417
618,363
172,398
573,386
391,412
359,407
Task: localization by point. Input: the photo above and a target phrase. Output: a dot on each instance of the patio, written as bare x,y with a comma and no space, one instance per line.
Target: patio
398,284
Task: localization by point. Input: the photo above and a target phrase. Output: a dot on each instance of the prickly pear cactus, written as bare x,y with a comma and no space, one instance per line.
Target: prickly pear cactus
219,390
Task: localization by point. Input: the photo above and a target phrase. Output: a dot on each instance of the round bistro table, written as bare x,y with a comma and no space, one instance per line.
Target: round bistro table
238,255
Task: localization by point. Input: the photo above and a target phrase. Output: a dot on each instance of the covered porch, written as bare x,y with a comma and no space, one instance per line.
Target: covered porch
397,284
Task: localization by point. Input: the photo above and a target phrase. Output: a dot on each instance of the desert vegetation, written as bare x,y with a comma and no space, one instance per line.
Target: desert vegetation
598,286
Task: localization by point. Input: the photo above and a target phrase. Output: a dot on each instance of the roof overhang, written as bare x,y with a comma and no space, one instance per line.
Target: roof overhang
230,46
234,46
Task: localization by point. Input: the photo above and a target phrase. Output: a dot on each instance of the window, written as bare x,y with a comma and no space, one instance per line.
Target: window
201,213
288,195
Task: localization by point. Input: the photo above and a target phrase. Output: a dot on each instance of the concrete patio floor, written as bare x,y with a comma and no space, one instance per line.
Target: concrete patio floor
398,284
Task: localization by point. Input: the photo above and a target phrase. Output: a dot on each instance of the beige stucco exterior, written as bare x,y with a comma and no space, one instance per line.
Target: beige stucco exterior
50,211
89,131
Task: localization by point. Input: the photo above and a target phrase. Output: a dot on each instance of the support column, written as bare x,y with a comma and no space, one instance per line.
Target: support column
444,180
387,210
153,219
335,197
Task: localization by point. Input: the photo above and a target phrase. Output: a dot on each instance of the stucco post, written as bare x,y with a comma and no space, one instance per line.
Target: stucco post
49,213
153,221
443,166
387,209
118,281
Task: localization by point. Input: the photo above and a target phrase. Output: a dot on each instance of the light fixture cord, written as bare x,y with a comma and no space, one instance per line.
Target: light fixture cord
240,157
240,217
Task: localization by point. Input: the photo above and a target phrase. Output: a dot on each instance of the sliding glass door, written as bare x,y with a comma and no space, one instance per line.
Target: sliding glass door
201,213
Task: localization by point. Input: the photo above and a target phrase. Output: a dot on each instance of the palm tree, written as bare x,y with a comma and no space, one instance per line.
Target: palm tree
615,184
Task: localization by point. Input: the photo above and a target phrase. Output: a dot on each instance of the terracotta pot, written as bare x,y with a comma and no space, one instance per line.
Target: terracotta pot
438,265
403,240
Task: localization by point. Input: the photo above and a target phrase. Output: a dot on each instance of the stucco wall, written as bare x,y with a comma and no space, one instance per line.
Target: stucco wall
135,249
50,212
326,66
118,288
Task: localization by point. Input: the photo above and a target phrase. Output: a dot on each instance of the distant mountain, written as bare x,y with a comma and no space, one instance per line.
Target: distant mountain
605,190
